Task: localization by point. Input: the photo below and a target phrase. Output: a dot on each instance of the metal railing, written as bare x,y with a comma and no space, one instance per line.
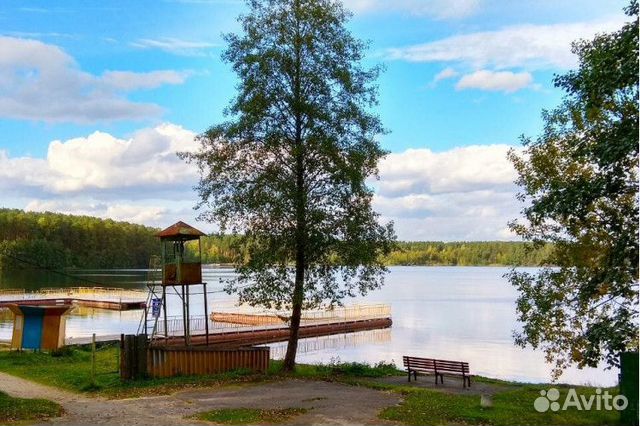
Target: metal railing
96,293
261,319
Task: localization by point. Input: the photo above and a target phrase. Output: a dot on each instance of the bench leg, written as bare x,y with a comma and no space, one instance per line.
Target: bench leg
415,375
436,379
409,371
442,379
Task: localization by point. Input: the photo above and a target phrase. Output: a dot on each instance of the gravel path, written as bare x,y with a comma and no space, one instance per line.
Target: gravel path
327,403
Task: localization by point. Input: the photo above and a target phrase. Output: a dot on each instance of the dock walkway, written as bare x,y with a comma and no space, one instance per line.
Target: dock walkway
117,299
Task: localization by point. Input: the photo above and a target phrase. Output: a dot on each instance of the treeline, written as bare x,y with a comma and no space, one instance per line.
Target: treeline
54,240
475,253
221,249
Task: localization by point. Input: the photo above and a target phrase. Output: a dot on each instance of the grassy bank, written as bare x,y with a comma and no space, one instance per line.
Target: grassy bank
70,369
512,403
510,407
18,410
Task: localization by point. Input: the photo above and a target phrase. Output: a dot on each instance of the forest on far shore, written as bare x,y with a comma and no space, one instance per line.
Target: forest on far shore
54,240
222,249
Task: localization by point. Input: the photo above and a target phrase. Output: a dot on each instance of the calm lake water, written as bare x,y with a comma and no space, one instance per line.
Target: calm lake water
462,313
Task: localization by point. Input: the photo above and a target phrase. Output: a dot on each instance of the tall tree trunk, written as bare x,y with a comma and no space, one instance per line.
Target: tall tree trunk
294,325
298,289
301,229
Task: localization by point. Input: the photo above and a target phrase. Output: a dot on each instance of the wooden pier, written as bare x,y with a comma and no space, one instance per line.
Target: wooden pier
115,299
274,334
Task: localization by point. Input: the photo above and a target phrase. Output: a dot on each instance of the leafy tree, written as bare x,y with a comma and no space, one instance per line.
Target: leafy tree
53,240
580,180
288,170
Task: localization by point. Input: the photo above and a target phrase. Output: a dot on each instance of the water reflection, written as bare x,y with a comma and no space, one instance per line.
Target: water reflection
332,343
462,313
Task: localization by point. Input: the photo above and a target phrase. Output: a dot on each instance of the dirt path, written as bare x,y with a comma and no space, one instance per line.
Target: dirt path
327,403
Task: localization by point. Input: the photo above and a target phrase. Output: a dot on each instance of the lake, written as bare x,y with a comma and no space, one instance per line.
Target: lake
460,313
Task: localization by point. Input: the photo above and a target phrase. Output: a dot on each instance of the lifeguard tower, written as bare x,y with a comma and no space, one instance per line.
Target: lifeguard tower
181,271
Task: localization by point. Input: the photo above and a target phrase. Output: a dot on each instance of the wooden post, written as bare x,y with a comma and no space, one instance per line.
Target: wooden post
141,356
93,359
123,357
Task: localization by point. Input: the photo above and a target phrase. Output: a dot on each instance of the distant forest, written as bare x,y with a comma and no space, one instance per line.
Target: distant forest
221,249
54,240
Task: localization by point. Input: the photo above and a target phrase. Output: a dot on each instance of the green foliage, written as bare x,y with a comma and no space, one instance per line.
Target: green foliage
21,409
53,240
580,182
243,416
223,249
470,253
288,171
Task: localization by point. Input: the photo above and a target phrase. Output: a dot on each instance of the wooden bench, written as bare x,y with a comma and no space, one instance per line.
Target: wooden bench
438,367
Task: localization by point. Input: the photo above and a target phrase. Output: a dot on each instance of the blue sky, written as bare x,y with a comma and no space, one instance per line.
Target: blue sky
86,86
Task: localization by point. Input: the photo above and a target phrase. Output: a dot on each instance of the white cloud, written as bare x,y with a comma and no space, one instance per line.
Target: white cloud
40,81
460,194
128,81
137,179
529,46
142,166
445,74
470,168
504,81
174,45
438,9
464,193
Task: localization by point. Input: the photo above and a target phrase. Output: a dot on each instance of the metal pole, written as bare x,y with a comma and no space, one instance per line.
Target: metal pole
164,308
184,316
206,315
146,311
187,316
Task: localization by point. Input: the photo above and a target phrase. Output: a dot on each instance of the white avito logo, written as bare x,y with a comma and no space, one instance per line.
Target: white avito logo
549,400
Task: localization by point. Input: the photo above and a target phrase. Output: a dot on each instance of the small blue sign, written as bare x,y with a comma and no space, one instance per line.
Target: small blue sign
156,305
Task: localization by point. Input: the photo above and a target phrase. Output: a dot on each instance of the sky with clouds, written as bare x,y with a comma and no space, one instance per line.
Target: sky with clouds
97,96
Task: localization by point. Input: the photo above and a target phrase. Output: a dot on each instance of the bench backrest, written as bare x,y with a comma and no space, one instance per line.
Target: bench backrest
439,365
419,363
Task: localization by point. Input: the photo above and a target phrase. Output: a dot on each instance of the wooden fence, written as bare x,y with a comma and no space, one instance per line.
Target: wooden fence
138,359
185,361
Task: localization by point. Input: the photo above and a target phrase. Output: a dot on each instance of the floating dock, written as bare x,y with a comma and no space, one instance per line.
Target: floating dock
261,336
115,299
239,329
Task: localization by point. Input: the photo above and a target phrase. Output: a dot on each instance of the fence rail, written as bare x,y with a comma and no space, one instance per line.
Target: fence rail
97,293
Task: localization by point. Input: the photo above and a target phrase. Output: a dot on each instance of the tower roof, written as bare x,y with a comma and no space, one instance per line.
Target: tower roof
180,231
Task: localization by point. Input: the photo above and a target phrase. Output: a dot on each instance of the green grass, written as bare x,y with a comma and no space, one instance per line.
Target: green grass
18,410
241,416
71,369
335,370
510,407
512,403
